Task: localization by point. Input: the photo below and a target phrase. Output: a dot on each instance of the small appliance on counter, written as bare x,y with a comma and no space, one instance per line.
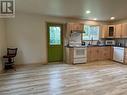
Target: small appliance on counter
119,44
110,42
83,43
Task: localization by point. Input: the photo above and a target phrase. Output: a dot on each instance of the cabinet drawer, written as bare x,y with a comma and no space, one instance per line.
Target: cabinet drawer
80,60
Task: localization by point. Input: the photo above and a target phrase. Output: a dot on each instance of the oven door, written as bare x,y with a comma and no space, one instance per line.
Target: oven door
80,52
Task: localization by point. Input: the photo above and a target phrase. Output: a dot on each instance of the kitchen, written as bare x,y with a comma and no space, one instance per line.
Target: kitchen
111,44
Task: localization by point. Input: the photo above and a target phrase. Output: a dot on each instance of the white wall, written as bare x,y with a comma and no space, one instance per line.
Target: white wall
119,21
27,32
2,40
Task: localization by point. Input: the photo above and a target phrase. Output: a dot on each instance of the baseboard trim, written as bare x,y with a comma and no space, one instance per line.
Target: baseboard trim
30,64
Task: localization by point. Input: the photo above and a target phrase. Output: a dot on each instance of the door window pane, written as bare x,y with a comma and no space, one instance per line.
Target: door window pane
55,35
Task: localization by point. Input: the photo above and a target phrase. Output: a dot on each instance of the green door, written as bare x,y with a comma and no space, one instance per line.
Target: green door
55,43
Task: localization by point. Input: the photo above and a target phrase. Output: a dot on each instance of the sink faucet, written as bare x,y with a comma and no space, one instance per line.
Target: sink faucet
91,40
98,42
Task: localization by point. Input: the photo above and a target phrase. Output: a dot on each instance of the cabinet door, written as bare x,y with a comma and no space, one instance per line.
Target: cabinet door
67,55
124,30
103,53
118,31
107,53
88,54
95,52
111,50
69,52
75,26
100,53
78,26
111,31
92,54
125,56
68,31
104,31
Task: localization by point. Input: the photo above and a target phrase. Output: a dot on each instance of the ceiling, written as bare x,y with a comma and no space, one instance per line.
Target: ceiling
100,9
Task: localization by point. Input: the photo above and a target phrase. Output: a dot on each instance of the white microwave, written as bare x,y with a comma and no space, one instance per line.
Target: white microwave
110,42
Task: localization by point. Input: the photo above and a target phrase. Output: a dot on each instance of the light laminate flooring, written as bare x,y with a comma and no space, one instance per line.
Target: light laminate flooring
96,78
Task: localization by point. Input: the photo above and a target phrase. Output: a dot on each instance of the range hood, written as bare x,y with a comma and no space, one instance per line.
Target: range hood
77,31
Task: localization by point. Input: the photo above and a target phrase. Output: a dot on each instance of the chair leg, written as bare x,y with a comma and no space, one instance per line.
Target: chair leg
9,64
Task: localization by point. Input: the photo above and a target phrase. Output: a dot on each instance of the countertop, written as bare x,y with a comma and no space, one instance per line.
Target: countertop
85,46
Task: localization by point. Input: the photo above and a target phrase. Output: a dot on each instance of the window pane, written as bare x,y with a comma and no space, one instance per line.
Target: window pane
91,32
55,35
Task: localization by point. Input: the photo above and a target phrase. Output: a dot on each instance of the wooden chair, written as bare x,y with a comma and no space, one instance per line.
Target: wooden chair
9,59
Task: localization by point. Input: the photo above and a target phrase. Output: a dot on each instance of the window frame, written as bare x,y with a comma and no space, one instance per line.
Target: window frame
92,25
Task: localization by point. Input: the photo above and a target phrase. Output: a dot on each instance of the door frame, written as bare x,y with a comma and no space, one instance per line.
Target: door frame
62,37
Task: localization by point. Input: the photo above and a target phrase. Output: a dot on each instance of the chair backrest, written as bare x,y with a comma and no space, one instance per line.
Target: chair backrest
12,52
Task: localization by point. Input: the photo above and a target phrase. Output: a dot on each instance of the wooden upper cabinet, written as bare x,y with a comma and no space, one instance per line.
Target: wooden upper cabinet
118,31
75,26
124,30
111,31
108,31
104,31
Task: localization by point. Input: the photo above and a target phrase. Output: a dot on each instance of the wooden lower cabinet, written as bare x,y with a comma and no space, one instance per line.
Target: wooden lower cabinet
69,52
93,54
125,56
99,53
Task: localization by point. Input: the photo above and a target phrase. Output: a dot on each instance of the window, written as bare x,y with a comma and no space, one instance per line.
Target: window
91,32
55,35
